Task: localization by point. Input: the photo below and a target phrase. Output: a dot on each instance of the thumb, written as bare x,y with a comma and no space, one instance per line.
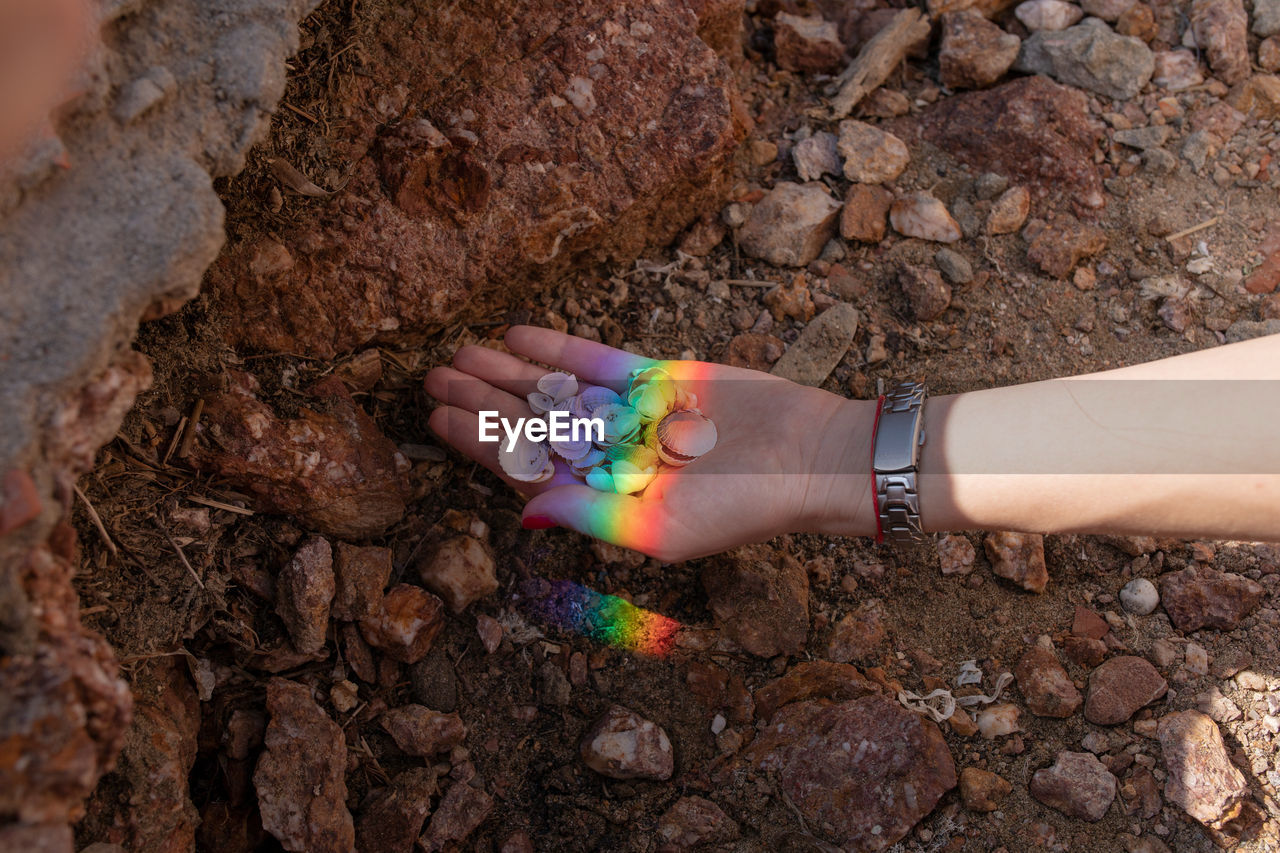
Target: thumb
619,519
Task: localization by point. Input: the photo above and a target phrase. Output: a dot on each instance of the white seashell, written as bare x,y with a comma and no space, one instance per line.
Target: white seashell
592,397
682,437
621,423
527,462
572,451
630,475
540,403
921,215
558,386
581,467
600,480
653,400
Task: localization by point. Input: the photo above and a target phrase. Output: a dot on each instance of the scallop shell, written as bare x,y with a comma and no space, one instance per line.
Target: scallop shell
653,400
593,397
600,480
630,477
621,423
684,436
558,386
527,462
582,467
540,403
572,451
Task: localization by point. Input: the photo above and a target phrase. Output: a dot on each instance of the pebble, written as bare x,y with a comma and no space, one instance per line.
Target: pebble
300,779
928,294
420,731
391,818
998,720
955,554
1084,651
810,360
361,574
1050,15
862,773
791,300
1176,70
695,820
1077,784
461,810
1107,10
871,155
1091,56
981,790
490,631
954,266
1009,211
1139,596
1200,597
1144,137
1219,708
1063,243
1086,623
858,634
816,156
807,43
1045,684
1119,688
1202,780
790,225
1220,28
1018,557
1258,96
974,52
921,215
304,592
866,213
1269,54
1197,659
1266,18
406,624
624,745
461,571
1095,742
1138,21
754,351
808,680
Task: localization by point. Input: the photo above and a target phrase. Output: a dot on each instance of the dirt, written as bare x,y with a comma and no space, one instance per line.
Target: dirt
171,583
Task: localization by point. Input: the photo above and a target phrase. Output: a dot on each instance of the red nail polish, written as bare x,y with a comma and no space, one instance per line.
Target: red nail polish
537,522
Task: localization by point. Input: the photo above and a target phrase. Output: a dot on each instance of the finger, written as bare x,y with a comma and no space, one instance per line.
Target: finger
501,369
461,430
594,362
620,519
465,391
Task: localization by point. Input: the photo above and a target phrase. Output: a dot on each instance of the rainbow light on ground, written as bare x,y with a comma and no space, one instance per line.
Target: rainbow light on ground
607,619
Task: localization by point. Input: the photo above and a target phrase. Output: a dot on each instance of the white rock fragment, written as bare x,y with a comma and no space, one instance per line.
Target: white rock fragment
1139,596
1050,15
998,720
921,215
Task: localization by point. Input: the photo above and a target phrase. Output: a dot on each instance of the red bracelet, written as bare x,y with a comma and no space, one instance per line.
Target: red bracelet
875,498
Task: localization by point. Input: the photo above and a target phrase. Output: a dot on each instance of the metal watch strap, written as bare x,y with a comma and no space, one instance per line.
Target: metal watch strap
899,435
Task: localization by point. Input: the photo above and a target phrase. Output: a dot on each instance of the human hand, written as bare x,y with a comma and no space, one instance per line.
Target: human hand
40,45
789,458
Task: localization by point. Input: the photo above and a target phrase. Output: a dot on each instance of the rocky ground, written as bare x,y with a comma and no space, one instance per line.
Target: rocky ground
319,609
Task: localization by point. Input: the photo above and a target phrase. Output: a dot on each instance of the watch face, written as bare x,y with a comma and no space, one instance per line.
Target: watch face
897,441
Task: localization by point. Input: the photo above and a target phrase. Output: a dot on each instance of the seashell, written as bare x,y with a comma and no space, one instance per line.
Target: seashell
540,403
684,436
558,386
592,397
653,400
527,462
600,480
921,215
572,451
631,475
594,457
621,423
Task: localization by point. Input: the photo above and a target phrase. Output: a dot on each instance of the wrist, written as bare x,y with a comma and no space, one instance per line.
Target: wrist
838,498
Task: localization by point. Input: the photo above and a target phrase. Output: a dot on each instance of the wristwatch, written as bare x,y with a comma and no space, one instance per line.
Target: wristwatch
895,462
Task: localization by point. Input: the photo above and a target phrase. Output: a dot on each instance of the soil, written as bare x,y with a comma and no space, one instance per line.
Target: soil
167,586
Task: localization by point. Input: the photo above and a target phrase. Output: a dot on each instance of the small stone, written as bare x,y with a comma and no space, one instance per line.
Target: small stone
816,156
962,724
1050,15
1086,623
1009,211
1138,21
975,52
344,695
461,571
391,818
406,624
461,810
624,745
490,631
554,688
304,591
1221,31
955,554
144,94
998,720
1144,137
1141,794
1176,70
703,236
1219,708
871,155
754,351
1107,10
1265,277
420,731
1018,557
866,213
981,790
1266,17
1119,688
1200,597
1139,596
810,360
954,266
695,820
1202,780
921,215
1046,685
1197,659
1095,742
814,679
794,300
1269,54
361,575
1078,785
928,294
1063,243
1089,55
790,225
807,44
1259,96
1084,651
858,635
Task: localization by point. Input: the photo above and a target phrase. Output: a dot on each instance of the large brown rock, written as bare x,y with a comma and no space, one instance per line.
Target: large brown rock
304,592
760,599
1045,684
1221,30
1202,779
1031,129
392,817
301,776
1018,557
1200,597
486,156
1119,688
861,772
1077,784
974,52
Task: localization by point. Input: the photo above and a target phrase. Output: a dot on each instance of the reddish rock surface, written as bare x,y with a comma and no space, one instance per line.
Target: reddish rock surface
807,43
627,125
862,773
1120,687
956,554
815,679
975,52
392,818
304,591
981,790
865,216
692,821
420,731
790,225
624,745
925,290
1221,30
406,624
1045,684
461,809
1019,557
330,467
301,776
1057,247
1202,779
1200,597
1030,129
760,599
1078,784
858,635
460,571
361,574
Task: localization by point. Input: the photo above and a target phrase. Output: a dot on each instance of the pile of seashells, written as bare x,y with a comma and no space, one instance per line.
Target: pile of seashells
656,422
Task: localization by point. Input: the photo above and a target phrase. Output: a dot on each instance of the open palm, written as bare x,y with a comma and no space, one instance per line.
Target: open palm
782,447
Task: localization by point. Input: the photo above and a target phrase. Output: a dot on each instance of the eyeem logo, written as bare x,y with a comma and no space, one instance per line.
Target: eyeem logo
557,426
